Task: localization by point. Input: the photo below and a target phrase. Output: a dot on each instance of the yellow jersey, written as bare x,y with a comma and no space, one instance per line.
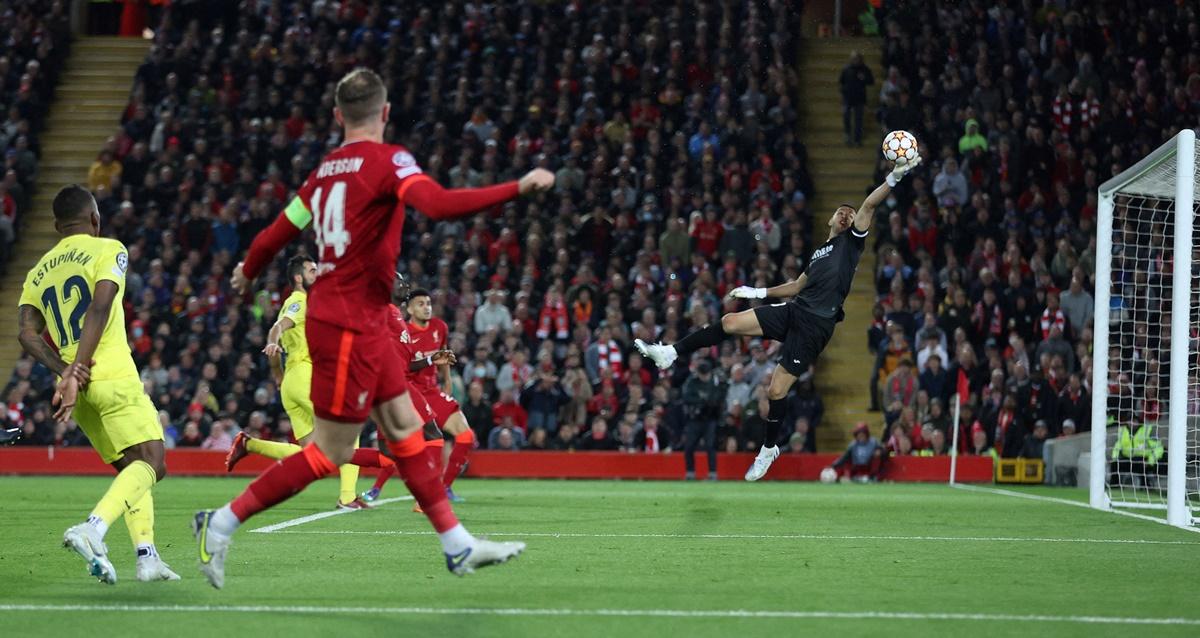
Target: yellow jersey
61,286
292,340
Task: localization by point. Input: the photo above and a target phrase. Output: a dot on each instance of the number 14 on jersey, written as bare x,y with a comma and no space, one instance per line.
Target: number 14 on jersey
329,222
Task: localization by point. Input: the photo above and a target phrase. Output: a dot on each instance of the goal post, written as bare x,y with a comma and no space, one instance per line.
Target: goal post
1145,309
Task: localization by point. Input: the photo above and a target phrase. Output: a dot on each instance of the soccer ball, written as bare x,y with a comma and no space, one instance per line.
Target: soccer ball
829,475
900,147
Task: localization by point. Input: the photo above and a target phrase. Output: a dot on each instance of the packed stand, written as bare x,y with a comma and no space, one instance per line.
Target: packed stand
36,40
672,132
987,258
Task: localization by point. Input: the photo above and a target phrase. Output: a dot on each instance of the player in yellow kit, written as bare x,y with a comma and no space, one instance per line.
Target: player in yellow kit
295,382
75,291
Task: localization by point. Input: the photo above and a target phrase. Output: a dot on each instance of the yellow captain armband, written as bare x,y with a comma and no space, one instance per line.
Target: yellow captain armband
298,213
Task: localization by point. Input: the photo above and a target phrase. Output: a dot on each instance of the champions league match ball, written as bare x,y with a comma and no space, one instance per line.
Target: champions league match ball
829,475
899,147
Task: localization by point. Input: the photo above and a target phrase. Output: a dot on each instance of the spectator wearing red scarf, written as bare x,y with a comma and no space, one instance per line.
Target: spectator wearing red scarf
553,319
1053,316
988,317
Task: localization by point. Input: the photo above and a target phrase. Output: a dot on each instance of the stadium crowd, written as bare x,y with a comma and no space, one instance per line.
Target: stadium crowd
986,260
35,44
672,131
679,177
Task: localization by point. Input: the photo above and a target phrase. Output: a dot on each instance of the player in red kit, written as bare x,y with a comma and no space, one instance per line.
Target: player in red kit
432,435
355,201
429,373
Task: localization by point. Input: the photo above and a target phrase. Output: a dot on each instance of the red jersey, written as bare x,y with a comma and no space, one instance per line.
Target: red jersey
355,202
353,198
398,327
423,342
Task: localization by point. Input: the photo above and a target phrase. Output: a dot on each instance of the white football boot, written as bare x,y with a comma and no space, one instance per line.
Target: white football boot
86,541
212,549
762,463
152,568
662,356
482,554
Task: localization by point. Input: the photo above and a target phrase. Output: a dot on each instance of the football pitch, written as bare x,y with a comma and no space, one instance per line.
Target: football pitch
615,559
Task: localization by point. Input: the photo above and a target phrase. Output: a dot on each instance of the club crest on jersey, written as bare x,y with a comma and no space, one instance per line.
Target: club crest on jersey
406,163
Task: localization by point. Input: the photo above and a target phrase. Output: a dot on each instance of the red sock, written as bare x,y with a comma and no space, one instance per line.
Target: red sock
282,481
424,480
434,450
386,473
370,457
463,443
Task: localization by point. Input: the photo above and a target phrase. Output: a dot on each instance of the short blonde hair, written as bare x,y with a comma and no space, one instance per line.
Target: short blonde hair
360,96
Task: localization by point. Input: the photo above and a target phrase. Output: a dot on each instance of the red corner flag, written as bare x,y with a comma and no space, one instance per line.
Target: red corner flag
964,388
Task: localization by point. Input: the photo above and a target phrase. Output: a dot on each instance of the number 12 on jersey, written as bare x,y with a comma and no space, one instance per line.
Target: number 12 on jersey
329,222
74,288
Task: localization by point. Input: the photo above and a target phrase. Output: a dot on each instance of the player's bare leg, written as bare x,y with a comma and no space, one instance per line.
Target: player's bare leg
743,324
781,384
464,553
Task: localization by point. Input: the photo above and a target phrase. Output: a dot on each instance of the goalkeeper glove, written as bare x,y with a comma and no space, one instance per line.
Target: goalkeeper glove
901,170
747,292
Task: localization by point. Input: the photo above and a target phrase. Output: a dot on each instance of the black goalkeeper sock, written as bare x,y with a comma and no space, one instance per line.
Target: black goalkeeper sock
708,336
777,408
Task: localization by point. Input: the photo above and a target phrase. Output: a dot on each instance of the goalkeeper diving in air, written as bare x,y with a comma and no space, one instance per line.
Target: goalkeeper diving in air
804,324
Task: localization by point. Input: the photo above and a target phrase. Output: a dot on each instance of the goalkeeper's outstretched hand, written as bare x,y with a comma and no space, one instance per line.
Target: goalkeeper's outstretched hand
748,292
901,170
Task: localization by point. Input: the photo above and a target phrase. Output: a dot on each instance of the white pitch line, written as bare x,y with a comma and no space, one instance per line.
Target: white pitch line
321,515
1032,497
618,613
1063,501
821,537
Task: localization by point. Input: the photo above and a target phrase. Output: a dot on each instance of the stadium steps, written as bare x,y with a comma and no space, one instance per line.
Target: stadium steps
841,174
92,93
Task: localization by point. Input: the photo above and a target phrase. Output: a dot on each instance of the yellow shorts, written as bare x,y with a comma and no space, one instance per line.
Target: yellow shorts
294,391
116,414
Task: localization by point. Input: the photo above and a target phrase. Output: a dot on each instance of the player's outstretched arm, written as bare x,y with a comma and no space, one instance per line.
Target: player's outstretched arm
269,242
866,212
782,291
436,202
32,325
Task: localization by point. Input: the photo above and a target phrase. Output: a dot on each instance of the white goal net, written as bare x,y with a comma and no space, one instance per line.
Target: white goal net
1146,377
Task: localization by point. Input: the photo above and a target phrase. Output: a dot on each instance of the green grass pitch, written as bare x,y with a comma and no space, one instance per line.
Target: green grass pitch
616,559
